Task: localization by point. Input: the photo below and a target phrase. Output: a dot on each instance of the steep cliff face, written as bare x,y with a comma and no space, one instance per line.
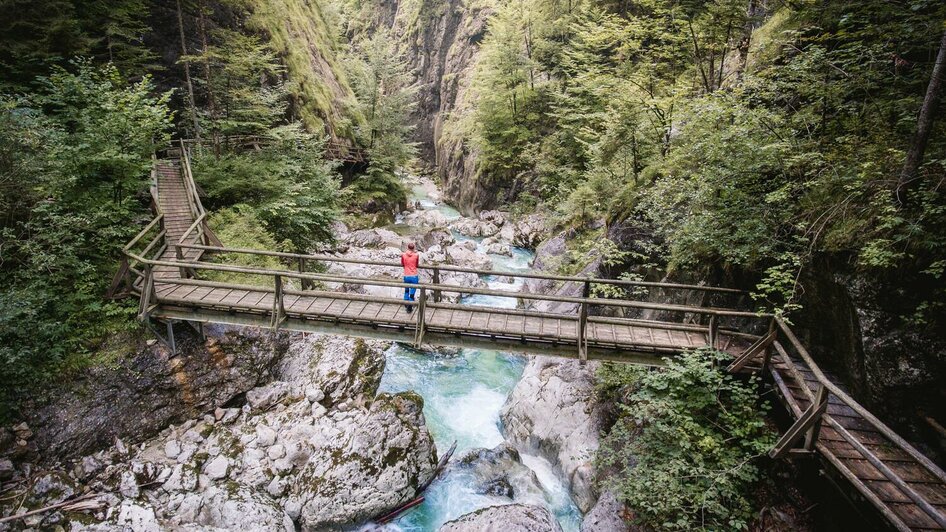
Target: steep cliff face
440,40
303,34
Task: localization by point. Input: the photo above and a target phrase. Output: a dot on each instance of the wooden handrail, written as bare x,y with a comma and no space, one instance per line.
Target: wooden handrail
854,405
142,233
709,311
460,269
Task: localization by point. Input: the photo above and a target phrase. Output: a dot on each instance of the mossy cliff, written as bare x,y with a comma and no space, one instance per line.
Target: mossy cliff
305,36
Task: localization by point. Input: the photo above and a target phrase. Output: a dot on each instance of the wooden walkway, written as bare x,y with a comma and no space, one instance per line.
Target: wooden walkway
443,323
178,216
870,462
903,486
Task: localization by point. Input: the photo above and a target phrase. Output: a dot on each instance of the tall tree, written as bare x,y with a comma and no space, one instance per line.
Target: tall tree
924,123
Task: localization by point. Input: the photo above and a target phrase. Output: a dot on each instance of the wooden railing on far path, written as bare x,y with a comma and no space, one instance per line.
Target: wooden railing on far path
335,149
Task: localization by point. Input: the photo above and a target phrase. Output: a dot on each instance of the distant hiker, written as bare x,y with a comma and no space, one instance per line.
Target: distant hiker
410,260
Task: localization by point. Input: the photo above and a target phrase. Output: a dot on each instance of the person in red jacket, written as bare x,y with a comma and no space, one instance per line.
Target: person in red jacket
410,260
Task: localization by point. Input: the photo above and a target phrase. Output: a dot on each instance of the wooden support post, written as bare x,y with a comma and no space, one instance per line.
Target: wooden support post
180,256
279,309
146,290
436,281
713,330
171,341
811,437
582,333
306,283
762,345
121,283
209,235
421,320
808,425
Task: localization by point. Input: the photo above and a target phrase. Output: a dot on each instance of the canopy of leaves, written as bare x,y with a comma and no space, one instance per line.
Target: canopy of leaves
683,450
73,160
761,138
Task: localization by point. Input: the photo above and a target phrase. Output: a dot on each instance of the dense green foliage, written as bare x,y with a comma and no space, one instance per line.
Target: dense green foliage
293,192
682,453
38,34
749,137
73,157
383,86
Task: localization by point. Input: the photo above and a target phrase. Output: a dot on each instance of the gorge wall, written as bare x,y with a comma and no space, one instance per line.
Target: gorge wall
440,41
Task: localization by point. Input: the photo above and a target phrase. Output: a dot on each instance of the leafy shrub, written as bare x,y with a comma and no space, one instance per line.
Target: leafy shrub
683,448
73,154
240,227
294,191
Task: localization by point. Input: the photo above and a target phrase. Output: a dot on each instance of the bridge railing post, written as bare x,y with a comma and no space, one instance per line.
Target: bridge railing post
306,283
713,330
421,320
583,333
180,256
279,309
147,292
436,280
807,425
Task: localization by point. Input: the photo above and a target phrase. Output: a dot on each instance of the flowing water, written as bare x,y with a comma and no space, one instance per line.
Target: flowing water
463,394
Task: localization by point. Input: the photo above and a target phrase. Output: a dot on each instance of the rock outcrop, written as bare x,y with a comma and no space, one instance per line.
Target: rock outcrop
141,394
440,39
606,516
511,517
499,472
552,410
314,449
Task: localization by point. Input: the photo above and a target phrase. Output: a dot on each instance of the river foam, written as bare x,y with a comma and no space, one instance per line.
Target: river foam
463,394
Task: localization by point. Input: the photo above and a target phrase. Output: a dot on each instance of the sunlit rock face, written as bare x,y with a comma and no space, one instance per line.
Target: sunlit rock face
315,449
552,410
519,517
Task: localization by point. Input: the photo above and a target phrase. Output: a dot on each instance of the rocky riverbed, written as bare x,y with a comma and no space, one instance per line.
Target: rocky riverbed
254,430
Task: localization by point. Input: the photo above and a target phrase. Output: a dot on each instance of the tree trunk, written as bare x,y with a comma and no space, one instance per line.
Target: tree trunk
924,124
187,74
211,99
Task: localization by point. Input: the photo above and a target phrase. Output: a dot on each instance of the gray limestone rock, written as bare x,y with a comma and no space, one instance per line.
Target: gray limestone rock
508,518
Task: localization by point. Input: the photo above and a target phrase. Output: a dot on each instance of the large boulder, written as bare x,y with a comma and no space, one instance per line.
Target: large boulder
507,518
435,237
460,255
606,516
495,217
425,218
553,411
499,472
365,464
474,228
138,395
317,451
374,238
343,367
526,232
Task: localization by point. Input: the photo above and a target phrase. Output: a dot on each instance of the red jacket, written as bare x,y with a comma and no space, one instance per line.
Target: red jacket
410,260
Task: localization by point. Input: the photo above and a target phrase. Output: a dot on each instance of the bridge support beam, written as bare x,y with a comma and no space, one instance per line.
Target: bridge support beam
421,320
808,425
279,308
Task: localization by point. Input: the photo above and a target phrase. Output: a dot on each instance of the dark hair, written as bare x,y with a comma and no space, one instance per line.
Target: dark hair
410,245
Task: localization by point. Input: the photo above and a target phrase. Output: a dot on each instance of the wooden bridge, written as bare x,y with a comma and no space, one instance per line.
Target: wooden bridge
164,268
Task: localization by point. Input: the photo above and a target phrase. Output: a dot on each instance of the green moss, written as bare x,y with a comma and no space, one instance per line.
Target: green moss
308,45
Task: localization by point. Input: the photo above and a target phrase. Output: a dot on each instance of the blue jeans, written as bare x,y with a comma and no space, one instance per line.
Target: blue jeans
409,292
